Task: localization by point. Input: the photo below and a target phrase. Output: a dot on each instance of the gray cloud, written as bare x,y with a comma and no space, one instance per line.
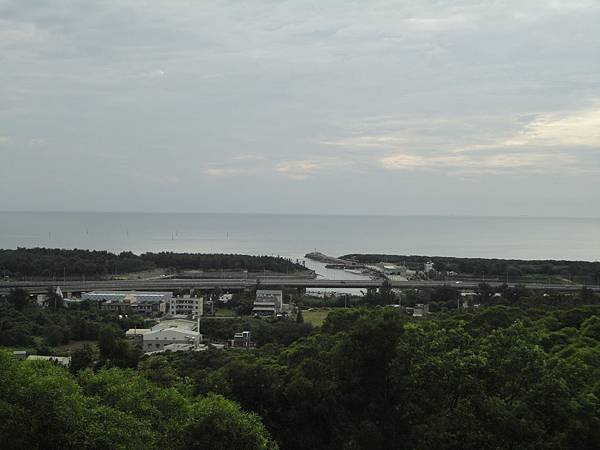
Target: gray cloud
181,105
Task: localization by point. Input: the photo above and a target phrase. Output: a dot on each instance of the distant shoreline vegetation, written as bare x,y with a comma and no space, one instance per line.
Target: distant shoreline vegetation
54,262
585,272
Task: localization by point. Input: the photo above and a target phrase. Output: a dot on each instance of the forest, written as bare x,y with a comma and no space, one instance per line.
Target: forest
514,270
521,372
501,377
59,263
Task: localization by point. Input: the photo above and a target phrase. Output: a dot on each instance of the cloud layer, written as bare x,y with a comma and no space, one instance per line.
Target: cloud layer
180,105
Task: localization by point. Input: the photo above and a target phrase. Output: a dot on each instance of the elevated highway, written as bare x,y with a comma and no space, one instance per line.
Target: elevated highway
36,287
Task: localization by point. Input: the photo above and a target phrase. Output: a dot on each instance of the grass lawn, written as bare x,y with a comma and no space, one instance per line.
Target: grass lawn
224,312
316,317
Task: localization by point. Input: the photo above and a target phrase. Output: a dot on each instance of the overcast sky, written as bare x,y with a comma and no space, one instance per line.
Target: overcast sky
326,106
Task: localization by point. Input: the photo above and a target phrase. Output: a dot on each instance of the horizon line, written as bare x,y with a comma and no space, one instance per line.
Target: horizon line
429,215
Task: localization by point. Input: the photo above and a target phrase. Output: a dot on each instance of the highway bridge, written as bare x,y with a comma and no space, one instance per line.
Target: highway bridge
164,284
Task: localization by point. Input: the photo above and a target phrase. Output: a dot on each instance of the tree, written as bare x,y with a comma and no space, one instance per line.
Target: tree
216,294
219,424
159,371
83,358
484,292
43,407
53,334
53,299
386,293
107,341
445,293
241,303
587,295
18,298
115,350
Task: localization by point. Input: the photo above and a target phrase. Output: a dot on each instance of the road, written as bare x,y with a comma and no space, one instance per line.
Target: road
238,284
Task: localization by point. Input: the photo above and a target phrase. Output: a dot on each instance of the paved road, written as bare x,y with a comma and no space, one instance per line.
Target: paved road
237,284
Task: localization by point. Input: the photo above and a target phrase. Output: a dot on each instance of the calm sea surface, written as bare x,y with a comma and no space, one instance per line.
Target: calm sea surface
294,235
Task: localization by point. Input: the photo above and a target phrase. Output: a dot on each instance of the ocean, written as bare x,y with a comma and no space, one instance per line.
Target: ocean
293,236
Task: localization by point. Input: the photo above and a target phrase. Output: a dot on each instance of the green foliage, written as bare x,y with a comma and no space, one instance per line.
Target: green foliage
18,298
53,299
218,423
500,377
115,350
580,271
264,331
521,372
384,296
26,326
159,371
42,406
48,263
83,358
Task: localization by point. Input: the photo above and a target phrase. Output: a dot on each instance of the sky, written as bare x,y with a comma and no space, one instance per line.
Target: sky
420,107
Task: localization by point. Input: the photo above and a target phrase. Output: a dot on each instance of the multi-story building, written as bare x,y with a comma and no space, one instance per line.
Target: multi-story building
186,306
139,302
268,302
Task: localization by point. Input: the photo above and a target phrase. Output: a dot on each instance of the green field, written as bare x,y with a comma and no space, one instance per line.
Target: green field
316,317
224,312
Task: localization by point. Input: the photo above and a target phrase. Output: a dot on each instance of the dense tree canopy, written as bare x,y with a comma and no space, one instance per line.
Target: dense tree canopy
521,370
501,269
501,377
42,406
59,263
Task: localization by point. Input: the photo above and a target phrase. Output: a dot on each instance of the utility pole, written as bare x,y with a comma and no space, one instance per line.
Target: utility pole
199,335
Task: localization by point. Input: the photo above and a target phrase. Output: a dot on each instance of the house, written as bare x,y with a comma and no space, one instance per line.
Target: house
241,340
158,339
268,302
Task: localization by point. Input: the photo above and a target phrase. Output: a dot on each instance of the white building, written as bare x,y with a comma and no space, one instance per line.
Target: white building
184,324
268,302
62,360
158,339
186,306
428,267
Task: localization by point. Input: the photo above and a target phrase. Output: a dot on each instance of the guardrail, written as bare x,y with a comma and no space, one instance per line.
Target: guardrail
239,284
